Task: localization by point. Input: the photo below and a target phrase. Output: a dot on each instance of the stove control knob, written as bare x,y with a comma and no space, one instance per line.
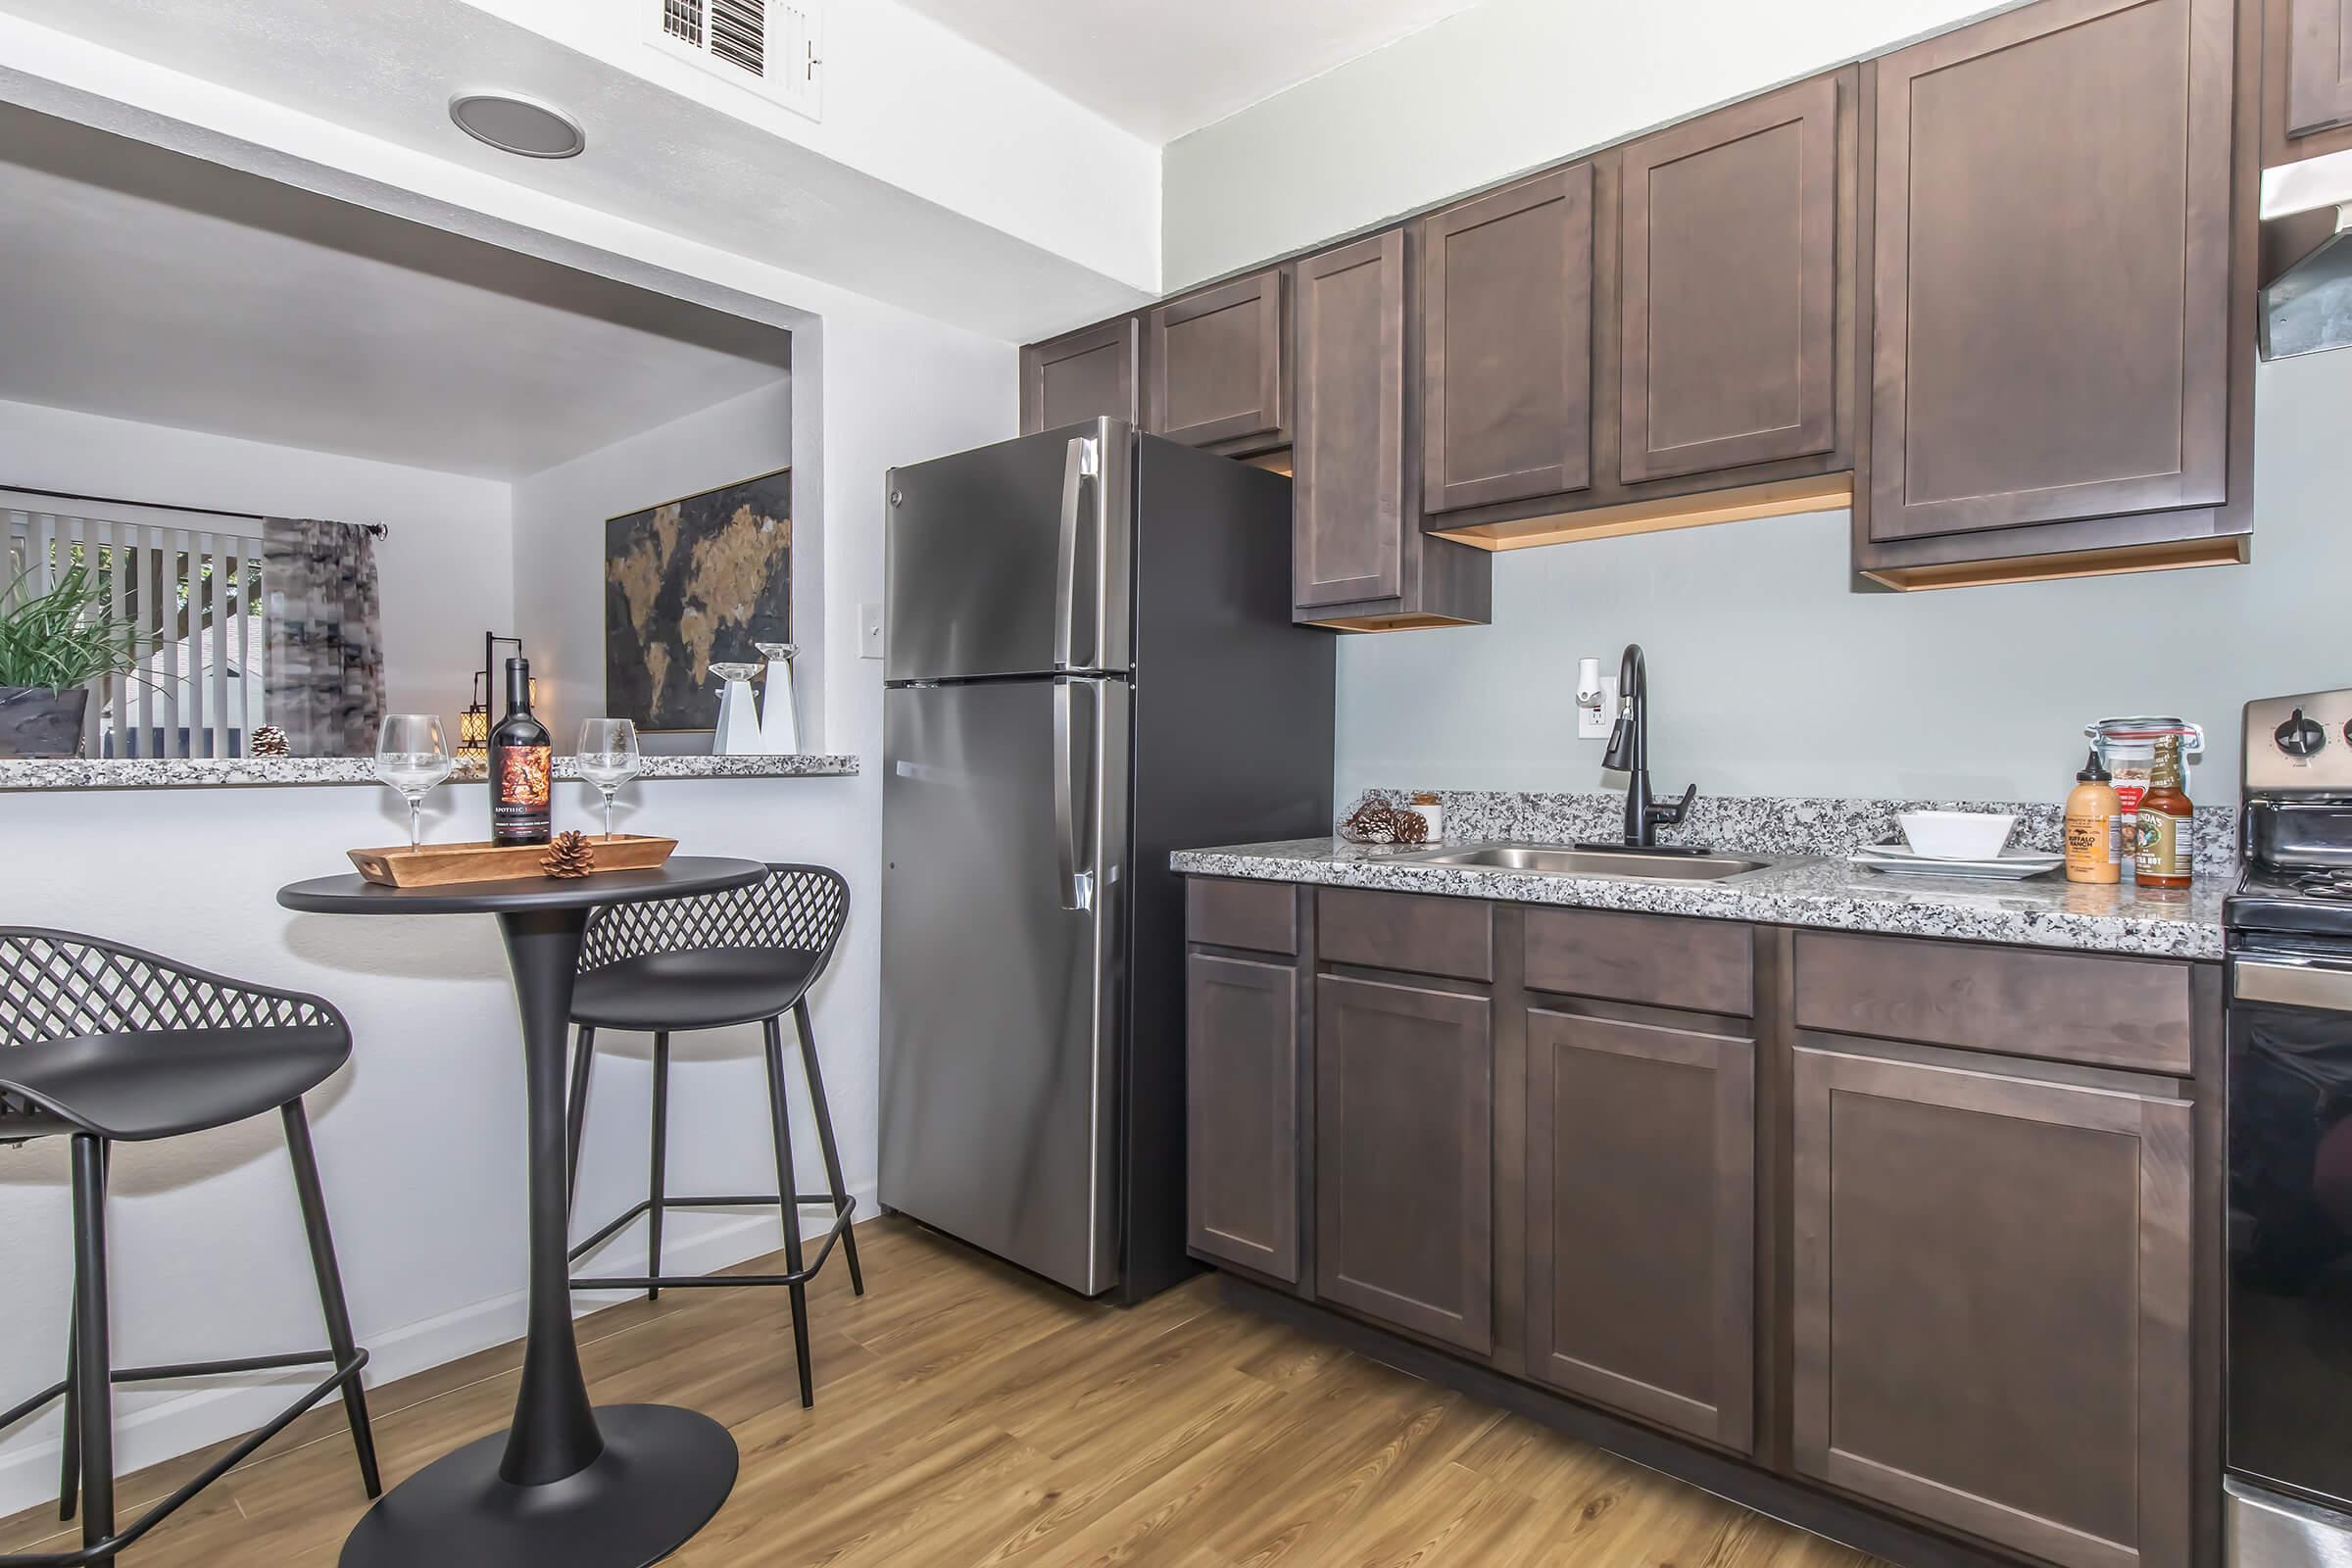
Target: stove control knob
2301,737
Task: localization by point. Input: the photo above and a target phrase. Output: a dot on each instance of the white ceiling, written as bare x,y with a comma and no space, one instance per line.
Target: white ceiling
144,285
1162,68
670,162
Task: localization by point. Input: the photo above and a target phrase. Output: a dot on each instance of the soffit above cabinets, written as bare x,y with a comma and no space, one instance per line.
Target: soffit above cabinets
1161,70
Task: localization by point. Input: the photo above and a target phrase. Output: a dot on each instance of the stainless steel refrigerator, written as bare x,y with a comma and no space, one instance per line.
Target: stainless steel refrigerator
1089,662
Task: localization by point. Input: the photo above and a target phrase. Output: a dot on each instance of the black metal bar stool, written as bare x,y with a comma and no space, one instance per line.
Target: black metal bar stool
744,956
107,1044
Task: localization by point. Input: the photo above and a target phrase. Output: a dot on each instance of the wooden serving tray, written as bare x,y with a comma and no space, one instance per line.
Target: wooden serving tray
436,865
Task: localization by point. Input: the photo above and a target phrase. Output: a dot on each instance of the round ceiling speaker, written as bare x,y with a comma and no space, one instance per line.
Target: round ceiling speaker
516,124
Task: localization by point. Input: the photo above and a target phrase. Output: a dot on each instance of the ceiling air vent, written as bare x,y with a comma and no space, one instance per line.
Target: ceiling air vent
766,48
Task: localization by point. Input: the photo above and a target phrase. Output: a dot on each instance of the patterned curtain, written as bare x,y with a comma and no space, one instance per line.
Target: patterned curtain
325,630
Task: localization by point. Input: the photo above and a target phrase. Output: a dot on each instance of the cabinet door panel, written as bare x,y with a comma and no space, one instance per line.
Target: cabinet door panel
1729,286
1080,376
1506,310
1219,367
2318,66
1349,461
2051,271
1242,1091
1404,1151
1991,1305
1641,1216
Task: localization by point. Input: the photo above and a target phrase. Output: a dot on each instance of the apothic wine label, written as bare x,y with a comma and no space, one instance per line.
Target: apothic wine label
521,766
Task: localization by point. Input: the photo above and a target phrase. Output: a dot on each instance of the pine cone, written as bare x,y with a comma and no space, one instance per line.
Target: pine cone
570,855
267,741
1377,821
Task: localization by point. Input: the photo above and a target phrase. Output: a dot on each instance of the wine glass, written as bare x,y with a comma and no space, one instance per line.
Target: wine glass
411,757
607,758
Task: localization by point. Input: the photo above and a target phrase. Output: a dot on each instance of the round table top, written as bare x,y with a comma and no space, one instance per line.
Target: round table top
681,876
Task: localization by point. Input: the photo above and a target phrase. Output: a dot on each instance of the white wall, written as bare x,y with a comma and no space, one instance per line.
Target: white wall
445,564
419,1139
1497,90
1767,677
560,517
429,1210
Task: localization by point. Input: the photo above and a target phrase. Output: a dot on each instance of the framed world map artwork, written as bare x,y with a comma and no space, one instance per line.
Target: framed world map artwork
690,583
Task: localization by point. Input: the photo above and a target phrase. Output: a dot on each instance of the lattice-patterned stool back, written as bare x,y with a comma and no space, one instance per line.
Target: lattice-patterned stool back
55,985
799,908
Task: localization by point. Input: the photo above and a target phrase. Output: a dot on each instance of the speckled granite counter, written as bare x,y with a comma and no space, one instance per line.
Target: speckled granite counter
74,774
1803,890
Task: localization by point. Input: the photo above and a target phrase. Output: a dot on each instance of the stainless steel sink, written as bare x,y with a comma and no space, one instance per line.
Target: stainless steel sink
1558,860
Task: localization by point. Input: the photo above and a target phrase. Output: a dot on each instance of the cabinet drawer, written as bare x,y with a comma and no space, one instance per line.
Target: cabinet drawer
1261,915
1704,965
1407,931
2064,1006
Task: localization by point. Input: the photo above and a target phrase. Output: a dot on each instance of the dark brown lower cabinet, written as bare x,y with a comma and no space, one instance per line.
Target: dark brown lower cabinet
1909,1235
1991,1307
1242,1113
1640,1220
1404,1156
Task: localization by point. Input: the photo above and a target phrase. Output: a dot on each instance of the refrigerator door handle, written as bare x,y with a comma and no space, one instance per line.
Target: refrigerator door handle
1082,462
1076,881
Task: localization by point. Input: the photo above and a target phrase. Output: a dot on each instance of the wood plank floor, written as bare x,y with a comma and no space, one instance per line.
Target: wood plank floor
969,1415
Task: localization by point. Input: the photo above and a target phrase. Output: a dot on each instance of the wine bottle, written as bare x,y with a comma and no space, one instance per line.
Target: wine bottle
521,766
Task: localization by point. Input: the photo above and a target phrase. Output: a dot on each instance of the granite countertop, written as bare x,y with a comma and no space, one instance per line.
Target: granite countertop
1818,891
75,773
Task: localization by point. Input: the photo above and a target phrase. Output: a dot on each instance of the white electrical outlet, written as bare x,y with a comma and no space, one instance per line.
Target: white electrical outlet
1594,725
869,631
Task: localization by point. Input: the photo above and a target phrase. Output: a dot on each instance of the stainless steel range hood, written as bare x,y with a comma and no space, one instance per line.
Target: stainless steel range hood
2307,289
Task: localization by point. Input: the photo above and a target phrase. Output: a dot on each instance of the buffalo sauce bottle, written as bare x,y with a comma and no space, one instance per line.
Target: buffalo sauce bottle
2163,846
521,766
2094,850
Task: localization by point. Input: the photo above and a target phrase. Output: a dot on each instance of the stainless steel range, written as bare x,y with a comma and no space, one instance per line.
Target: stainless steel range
2289,926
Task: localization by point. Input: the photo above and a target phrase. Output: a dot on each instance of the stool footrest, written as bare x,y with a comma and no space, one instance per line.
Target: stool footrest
842,1204
638,1210
105,1550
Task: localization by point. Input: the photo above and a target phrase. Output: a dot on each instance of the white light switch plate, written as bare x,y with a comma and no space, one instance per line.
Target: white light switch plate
869,631
1595,726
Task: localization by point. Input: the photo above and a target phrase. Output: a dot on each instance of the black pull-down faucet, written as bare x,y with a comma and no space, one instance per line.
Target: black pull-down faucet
1629,752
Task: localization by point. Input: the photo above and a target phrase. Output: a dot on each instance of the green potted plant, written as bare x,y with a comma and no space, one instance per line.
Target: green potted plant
53,644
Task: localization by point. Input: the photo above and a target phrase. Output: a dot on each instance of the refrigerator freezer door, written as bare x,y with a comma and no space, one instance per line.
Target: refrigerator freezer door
1002,896
1012,559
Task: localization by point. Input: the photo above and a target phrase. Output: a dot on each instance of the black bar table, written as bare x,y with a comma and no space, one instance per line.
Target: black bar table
567,1486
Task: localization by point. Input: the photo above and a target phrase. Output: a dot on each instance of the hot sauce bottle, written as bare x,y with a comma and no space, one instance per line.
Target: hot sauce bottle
2162,850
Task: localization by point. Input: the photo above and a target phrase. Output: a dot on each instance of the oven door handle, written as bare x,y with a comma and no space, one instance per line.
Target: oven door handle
2292,985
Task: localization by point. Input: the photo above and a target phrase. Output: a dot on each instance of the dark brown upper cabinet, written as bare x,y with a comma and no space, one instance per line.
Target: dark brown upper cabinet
1219,367
1241,1078
1640,1220
1506,322
1360,562
1404,1156
1992,1308
1082,375
2306,78
1737,284
2062,364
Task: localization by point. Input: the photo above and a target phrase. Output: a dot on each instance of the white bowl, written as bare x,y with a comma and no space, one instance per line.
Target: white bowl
1956,835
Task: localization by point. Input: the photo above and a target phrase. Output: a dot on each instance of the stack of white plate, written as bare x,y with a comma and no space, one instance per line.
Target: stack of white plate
1898,859
1957,844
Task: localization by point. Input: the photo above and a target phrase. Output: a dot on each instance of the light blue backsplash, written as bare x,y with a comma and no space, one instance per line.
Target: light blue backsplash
1768,677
